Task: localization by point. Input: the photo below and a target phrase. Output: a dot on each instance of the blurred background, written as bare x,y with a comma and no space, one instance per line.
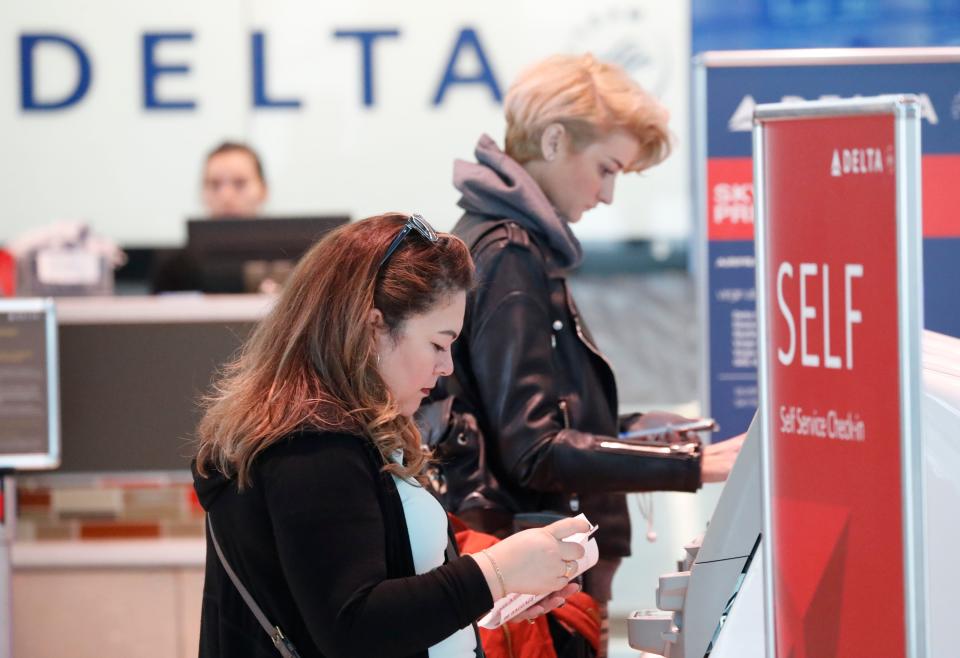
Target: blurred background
355,109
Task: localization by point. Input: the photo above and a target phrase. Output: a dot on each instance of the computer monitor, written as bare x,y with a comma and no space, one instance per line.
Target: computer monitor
132,372
29,392
236,255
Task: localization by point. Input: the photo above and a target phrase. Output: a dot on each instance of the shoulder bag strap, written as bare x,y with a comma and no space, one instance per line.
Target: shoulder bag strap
280,641
453,555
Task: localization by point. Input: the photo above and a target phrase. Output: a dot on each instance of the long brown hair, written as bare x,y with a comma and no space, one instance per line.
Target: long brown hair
311,363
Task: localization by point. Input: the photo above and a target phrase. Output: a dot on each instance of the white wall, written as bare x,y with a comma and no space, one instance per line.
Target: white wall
133,172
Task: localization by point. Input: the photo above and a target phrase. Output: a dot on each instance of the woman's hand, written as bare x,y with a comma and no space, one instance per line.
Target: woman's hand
718,459
534,561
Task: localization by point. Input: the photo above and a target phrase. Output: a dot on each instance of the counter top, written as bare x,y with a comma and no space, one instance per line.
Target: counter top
139,553
175,307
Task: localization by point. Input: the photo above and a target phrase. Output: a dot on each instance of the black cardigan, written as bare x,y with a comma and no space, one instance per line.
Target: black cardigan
321,542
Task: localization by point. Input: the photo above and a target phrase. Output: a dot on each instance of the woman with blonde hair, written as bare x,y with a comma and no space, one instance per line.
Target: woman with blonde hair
310,467
543,394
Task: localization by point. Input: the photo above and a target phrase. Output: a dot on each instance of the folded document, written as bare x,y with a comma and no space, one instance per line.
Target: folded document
512,605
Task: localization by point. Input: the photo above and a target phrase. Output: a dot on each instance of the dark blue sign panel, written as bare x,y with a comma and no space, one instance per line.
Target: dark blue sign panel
733,335
732,92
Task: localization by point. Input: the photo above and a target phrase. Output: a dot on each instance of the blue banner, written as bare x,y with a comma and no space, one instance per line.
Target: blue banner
725,106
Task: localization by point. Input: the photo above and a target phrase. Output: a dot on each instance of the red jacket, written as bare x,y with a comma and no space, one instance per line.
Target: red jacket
521,639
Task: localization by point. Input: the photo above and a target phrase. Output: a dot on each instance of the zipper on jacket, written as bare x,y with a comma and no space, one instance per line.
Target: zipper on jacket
556,328
565,411
575,312
683,450
590,346
574,501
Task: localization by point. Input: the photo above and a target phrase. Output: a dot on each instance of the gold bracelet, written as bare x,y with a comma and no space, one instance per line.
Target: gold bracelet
496,568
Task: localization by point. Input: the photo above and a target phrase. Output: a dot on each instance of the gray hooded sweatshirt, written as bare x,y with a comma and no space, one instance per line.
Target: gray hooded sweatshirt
498,186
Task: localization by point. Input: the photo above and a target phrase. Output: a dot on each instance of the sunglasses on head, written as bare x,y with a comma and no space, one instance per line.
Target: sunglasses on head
414,223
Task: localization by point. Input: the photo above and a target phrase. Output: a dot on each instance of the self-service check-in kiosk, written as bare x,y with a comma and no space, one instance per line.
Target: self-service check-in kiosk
714,605
695,602
834,534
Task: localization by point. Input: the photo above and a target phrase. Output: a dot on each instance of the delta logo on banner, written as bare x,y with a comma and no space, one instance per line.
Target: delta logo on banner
860,161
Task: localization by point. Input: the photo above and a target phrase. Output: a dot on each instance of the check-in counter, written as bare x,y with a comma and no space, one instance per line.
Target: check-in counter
715,603
109,548
132,370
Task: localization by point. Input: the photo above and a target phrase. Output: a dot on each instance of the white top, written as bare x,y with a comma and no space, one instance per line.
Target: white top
427,529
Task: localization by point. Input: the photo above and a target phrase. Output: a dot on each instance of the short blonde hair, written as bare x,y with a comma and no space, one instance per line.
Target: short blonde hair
590,99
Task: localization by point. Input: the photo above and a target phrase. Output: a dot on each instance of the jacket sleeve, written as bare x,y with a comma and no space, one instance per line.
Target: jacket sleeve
515,374
329,532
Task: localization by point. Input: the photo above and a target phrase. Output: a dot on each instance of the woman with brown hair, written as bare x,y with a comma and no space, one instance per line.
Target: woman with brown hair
309,466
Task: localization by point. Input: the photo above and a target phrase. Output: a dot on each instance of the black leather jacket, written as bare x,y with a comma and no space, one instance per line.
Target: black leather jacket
543,393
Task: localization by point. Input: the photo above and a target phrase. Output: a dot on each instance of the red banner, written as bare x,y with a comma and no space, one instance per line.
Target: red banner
834,387
730,199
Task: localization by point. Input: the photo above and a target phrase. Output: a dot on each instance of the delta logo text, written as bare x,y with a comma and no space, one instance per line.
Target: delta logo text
845,162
